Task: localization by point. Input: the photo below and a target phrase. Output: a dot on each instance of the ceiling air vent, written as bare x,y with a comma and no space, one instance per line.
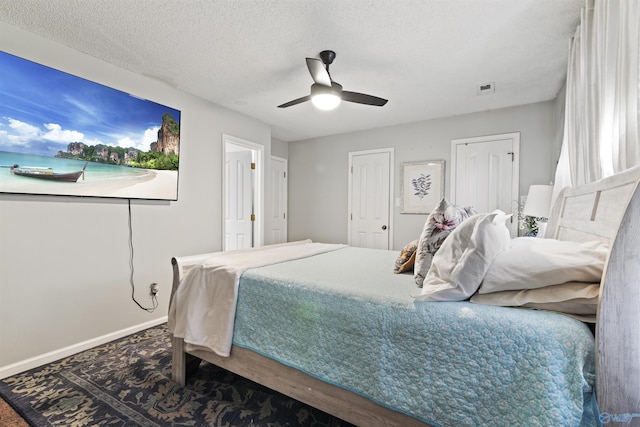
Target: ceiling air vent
486,89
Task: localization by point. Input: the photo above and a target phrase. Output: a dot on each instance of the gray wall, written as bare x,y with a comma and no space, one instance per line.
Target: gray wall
64,262
318,175
279,148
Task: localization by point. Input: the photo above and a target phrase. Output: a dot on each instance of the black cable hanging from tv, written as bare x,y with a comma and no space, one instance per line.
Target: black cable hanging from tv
153,297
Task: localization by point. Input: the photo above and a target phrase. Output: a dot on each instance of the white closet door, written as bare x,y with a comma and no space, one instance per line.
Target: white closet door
276,218
370,200
485,174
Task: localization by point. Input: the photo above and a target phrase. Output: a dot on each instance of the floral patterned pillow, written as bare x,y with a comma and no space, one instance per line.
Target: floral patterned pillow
407,258
440,223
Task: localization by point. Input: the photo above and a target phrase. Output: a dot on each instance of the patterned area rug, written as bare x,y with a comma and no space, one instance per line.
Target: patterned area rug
128,383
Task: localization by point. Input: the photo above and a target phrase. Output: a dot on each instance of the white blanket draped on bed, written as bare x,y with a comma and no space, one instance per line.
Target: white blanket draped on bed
212,289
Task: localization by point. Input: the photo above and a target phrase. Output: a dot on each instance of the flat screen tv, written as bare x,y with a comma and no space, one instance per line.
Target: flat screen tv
64,135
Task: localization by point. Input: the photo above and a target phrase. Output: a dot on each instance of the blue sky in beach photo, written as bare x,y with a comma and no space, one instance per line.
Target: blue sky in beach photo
43,109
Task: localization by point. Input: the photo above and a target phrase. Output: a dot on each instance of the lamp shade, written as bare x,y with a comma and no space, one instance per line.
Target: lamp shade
326,101
538,201
325,97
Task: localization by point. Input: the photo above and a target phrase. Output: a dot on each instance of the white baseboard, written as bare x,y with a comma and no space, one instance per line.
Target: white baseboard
43,359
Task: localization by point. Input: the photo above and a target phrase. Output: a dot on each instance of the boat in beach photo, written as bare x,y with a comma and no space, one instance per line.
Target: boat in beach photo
46,173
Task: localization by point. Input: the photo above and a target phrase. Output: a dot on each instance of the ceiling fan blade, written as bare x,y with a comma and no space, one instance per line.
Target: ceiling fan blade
362,98
319,74
295,101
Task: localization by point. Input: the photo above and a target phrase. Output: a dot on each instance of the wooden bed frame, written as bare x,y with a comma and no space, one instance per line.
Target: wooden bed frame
607,210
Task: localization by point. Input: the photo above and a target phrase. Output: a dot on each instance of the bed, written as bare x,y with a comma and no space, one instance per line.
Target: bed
472,364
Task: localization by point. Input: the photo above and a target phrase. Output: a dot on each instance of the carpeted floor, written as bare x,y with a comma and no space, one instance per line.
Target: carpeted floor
127,383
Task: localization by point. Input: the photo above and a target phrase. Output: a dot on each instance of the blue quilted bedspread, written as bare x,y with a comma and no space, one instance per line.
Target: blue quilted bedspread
345,318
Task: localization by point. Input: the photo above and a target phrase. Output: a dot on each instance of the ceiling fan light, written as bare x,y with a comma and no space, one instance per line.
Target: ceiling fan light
326,101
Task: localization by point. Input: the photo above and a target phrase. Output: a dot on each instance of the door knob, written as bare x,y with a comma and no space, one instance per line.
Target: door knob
384,227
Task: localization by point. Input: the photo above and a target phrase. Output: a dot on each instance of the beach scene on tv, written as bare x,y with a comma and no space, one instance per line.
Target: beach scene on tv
65,135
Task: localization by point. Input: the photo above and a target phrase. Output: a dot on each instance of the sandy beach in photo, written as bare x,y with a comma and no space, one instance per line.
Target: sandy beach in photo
158,184
154,184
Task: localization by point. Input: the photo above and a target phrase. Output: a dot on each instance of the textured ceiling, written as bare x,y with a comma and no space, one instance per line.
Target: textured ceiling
426,57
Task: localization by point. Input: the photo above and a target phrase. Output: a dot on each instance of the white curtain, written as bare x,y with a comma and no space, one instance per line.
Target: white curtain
602,109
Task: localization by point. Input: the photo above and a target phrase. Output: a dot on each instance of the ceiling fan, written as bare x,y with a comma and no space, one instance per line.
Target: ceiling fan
327,94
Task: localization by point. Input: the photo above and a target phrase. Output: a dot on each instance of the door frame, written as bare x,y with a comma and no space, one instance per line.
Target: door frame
352,154
515,173
258,185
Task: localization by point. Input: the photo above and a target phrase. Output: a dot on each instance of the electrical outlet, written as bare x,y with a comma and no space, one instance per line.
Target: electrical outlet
153,289
486,89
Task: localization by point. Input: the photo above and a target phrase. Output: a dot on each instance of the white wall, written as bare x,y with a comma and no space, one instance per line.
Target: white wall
318,175
64,261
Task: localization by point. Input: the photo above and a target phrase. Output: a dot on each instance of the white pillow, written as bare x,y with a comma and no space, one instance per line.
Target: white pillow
579,300
458,267
532,263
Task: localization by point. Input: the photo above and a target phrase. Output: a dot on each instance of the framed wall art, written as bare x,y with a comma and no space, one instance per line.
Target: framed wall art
64,135
421,185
